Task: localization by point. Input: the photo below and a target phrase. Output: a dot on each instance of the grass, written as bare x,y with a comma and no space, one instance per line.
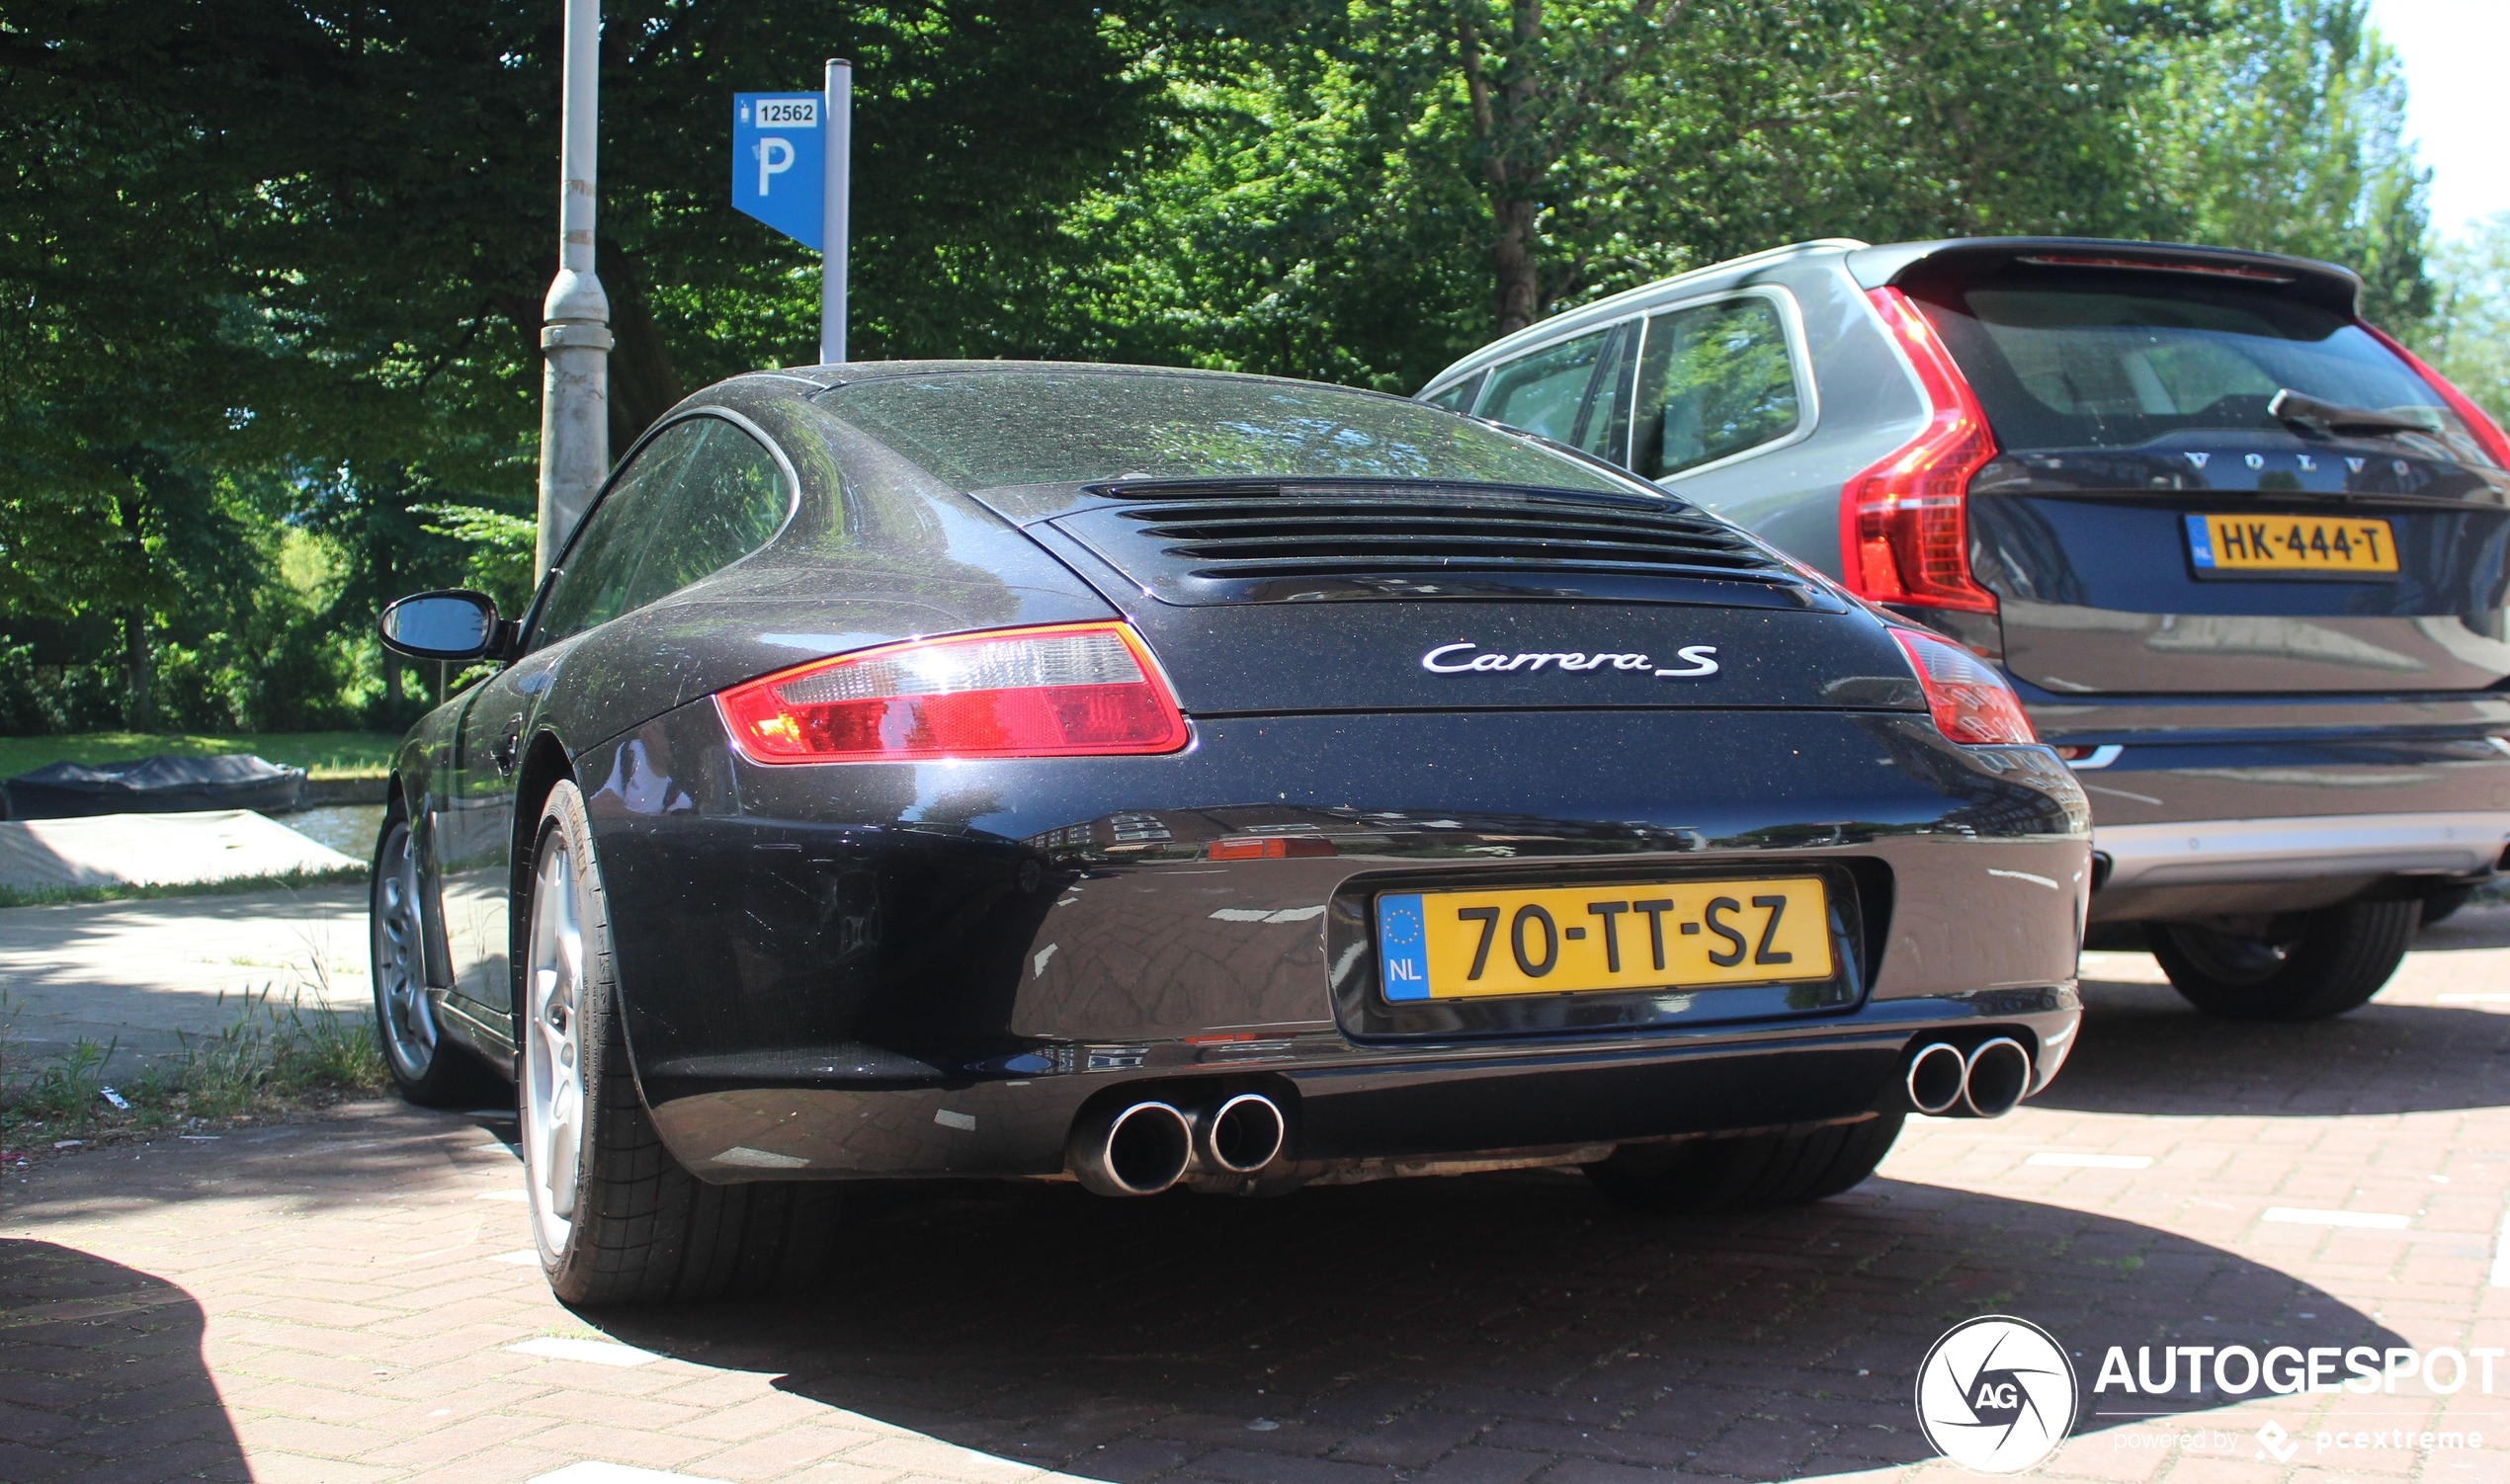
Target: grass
275,1056
325,755
286,880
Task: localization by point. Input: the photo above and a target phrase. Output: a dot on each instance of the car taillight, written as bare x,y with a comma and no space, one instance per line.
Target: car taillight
1971,703
1070,690
2479,424
1904,523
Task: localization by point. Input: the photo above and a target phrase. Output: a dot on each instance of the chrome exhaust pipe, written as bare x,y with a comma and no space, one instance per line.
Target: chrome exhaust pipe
1935,1078
1240,1136
1996,1077
1130,1149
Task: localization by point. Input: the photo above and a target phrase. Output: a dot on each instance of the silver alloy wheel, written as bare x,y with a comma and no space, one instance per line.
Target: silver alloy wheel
552,1048
400,982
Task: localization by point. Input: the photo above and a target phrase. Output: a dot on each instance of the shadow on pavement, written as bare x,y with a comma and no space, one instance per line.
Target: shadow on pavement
1516,1318
100,1373
2144,1050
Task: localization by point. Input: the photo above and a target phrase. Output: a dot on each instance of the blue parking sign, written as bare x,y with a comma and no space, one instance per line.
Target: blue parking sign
778,152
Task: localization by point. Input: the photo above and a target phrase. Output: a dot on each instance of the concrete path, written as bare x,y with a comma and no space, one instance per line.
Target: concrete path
137,972
356,1300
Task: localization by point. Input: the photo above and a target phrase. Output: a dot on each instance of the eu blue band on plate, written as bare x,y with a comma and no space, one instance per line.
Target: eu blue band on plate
2200,541
1402,948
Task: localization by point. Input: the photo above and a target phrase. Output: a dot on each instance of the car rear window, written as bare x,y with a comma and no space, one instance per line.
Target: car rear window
983,429
2113,360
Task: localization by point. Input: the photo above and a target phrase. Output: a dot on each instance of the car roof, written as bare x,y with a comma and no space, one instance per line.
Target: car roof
827,378
1894,263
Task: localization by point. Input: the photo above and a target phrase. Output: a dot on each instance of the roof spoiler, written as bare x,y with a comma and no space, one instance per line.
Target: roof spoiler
1914,265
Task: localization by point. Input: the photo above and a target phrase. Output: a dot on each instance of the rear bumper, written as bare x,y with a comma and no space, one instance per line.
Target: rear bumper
2210,851
930,969
1349,1107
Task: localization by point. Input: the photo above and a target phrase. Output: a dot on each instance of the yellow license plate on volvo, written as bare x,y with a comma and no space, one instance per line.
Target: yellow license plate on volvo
2233,545
1584,939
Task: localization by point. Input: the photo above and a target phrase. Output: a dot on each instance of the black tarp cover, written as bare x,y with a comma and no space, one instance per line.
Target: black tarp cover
153,785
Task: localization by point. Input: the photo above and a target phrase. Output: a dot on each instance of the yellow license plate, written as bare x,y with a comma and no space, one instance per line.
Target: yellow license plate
2291,544
1579,939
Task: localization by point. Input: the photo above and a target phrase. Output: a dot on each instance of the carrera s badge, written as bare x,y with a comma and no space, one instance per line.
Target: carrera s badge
1699,661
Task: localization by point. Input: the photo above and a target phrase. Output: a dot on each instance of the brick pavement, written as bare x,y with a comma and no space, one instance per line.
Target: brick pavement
335,1300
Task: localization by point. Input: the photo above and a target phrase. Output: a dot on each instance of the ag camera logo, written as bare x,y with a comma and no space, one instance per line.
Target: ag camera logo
1997,1394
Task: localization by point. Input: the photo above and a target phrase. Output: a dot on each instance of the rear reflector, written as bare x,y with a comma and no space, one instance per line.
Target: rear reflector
2487,433
1070,690
1971,703
1904,523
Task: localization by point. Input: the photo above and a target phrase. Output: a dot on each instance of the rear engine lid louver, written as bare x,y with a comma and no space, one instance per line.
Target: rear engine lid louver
1305,542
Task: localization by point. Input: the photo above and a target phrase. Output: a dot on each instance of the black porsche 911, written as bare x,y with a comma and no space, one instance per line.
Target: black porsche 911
1152,778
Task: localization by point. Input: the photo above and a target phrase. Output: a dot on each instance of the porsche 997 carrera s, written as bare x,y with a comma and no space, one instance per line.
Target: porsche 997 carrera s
1155,778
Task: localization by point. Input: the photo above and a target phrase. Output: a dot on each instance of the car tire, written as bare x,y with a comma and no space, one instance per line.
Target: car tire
2337,960
616,1218
1695,1176
428,1068
2440,906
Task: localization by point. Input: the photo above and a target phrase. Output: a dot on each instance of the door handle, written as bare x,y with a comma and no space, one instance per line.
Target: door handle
502,754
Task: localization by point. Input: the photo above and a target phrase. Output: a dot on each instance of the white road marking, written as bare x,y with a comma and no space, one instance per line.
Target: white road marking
2501,1255
2301,1215
597,1352
2462,999
965,1122
503,1196
527,1258
2092,1161
1037,967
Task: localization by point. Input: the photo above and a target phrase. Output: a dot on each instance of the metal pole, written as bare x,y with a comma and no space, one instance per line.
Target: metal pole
575,337
838,183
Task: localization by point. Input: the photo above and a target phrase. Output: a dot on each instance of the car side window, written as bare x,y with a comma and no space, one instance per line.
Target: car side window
702,495
1713,381
1459,397
1546,391
725,500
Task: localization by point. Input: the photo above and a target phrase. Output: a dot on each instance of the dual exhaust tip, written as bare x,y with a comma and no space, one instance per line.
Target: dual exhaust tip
1142,1148
1987,1083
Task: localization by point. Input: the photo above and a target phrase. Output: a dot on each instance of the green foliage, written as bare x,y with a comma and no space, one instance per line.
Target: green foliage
274,277
274,1052
500,544
2467,339
286,881
321,754
2285,130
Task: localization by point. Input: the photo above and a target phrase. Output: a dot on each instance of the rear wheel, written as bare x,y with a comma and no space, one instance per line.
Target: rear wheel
429,1069
616,1218
1698,1176
2309,966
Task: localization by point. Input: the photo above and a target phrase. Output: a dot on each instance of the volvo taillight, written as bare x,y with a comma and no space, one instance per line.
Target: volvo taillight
1971,701
2487,433
1904,523
1072,690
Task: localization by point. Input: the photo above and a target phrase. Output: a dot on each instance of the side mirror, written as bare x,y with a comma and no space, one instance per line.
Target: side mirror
455,625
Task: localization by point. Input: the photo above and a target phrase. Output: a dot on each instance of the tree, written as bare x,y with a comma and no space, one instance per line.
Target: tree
2285,130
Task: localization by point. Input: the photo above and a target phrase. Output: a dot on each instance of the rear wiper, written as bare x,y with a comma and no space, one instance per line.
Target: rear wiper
2292,406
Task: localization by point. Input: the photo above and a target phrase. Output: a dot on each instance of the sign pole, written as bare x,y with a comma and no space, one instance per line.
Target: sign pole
838,163
575,337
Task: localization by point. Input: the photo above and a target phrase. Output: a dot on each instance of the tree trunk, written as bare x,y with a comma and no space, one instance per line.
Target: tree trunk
135,643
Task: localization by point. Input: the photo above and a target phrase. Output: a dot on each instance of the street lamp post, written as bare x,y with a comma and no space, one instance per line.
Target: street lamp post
575,337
